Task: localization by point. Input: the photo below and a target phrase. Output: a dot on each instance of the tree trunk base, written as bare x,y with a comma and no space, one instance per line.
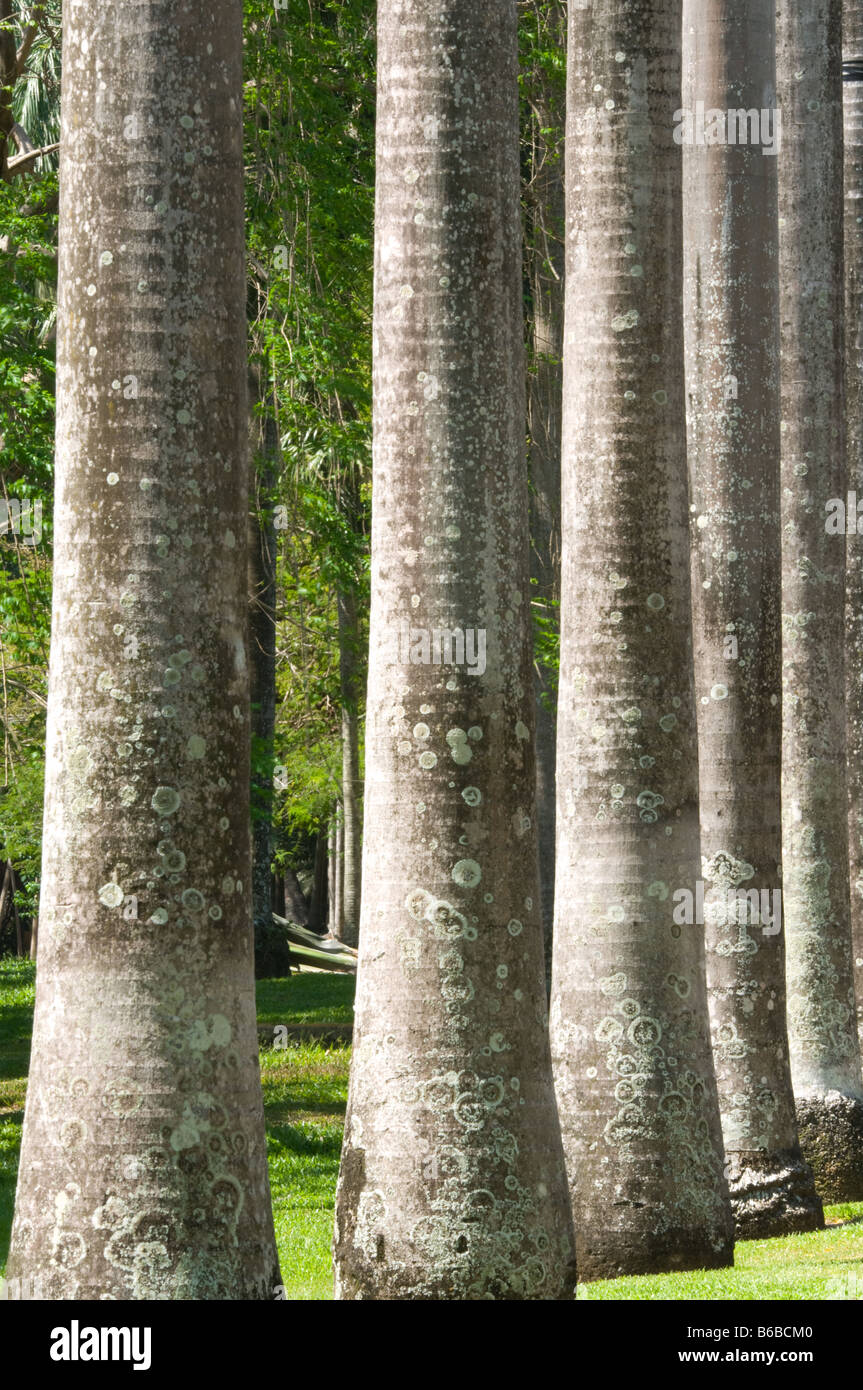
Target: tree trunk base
773,1194
607,1254
831,1137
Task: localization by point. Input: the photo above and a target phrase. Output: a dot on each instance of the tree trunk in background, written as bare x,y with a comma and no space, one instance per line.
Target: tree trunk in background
279,895
19,939
822,1017
629,1026
318,906
143,1167
352,787
262,551
452,1182
34,938
332,920
852,41
295,903
6,888
545,269
732,347
339,874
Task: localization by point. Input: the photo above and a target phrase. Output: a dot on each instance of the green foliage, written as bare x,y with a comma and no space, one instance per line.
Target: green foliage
310,198
21,826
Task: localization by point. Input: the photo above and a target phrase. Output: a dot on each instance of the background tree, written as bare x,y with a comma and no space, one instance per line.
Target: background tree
452,1182
143,1171
630,1038
822,1017
732,347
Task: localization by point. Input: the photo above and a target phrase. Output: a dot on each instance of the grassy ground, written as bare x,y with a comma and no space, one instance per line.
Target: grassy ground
305,1092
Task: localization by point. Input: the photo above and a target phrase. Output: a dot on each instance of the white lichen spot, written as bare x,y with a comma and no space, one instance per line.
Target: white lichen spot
428,760
466,873
621,322
165,800
196,746
719,692
472,796
111,894
656,602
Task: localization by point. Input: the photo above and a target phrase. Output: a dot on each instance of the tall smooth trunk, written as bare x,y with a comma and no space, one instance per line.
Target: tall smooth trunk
732,347
822,1017
339,873
852,46
629,1027
143,1166
333,925
452,1183
352,788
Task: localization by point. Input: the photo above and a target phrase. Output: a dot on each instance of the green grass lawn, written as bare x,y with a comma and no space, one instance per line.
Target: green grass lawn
305,1093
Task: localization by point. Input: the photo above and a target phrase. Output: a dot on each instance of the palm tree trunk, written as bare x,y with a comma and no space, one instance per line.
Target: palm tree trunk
732,331
143,1166
352,790
339,868
822,1019
332,920
852,40
629,1026
452,1183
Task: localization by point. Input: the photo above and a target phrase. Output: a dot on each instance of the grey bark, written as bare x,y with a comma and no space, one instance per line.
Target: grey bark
143,1166
546,269
822,1017
852,41
339,874
452,1183
732,346
352,788
332,922
629,1027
